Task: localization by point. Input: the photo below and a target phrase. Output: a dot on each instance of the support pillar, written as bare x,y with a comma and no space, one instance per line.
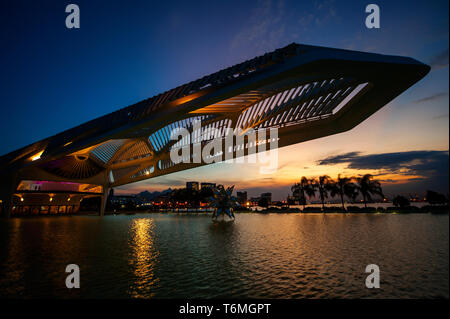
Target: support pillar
7,205
104,200
7,189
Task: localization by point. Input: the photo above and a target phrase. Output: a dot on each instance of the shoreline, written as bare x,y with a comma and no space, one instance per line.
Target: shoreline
435,210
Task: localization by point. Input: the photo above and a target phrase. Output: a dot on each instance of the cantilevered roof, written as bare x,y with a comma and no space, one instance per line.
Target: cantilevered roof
305,91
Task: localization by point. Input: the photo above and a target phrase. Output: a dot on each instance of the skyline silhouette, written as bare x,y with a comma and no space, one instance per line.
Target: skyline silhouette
72,76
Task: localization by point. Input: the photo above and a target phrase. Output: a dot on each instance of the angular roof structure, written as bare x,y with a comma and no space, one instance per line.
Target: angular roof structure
305,91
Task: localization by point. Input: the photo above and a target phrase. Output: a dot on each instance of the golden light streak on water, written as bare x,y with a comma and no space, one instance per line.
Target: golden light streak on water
144,257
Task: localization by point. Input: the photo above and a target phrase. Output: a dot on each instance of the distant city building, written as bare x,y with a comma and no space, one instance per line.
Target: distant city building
163,199
242,197
279,203
267,196
208,185
254,201
291,200
193,185
123,201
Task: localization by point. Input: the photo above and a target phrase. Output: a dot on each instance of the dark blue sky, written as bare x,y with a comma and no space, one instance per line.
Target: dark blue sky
53,78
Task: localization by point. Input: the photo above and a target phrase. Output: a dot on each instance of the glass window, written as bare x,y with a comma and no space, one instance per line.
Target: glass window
59,186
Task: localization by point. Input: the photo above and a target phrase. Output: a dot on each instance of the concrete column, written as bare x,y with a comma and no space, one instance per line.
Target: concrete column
7,190
7,205
104,200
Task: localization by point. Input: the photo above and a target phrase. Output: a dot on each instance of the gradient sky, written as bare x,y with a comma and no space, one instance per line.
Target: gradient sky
53,78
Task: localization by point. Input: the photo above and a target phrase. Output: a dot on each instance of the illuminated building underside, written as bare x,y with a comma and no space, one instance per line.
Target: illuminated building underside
306,92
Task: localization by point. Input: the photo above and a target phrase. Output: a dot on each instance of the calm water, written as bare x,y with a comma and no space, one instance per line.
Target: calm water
257,256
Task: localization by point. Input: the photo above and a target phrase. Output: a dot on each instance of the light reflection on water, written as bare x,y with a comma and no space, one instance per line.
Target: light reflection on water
259,255
143,258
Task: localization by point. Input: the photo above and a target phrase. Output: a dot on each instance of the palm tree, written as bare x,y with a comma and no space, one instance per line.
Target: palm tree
323,186
368,187
343,187
223,202
306,187
295,190
401,201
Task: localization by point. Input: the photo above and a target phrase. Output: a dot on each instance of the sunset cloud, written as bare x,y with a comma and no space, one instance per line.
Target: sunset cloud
432,97
414,161
440,60
428,167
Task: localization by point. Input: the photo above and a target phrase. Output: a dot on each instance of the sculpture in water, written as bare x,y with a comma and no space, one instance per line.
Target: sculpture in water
223,203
